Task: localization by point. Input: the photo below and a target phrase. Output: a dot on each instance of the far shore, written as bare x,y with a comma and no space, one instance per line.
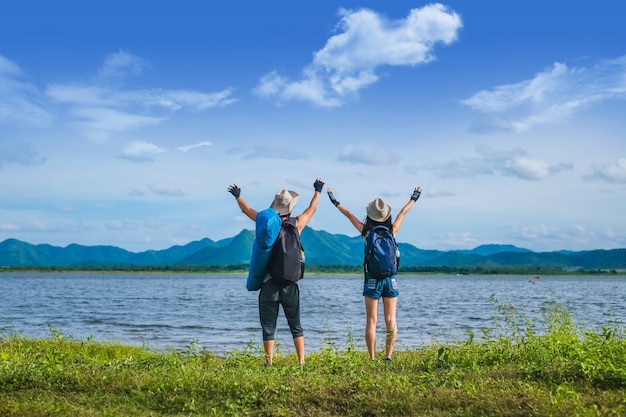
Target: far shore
348,270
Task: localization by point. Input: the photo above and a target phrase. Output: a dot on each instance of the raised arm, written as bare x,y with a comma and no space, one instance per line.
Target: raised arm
353,219
245,208
304,218
400,217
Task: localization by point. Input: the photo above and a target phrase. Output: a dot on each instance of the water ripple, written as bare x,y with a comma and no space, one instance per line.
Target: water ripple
169,311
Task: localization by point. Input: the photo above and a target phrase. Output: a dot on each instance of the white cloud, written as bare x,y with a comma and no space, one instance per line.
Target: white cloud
552,96
98,123
369,40
141,152
166,190
366,42
121,225
567,237
152,224
95,95
615,173
540,232
512,163
438,194
9,227
310,89
23,153
9,68
532,169
20,101
121,64
49,226
137,148
180,99
275,153
366,154
80,95
458,240
103,107
196,145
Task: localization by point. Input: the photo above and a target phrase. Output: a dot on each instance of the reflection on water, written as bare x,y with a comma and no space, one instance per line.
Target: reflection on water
172,310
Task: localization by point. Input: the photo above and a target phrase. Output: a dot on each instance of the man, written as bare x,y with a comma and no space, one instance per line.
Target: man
274,294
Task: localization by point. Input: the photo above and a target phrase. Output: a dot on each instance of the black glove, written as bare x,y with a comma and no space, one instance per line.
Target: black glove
234,190
332,199
415,195
318,185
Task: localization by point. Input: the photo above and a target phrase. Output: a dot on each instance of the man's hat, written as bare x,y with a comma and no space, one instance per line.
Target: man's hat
284,201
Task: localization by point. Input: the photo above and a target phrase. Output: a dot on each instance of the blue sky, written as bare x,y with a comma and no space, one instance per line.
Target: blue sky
123,122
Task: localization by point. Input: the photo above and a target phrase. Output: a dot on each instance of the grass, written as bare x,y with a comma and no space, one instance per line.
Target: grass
516,368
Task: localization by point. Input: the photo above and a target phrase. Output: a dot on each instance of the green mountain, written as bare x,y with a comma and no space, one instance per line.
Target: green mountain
321,248
235,252
173,255
487,250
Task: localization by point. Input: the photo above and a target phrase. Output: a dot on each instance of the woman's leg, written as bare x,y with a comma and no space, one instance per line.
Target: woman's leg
371,313
389,306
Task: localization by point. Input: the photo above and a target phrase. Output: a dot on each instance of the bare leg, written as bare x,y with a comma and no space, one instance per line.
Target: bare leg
298,342
389,306
371,313
268,345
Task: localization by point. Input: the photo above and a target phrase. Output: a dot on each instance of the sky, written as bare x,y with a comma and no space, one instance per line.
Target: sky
124,122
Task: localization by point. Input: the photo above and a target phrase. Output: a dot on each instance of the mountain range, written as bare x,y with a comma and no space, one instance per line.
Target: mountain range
321,248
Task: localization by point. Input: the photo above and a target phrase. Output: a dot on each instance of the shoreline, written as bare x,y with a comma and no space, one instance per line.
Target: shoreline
512,372
461,271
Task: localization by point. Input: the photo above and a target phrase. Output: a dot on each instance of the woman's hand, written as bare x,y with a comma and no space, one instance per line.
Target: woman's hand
332,197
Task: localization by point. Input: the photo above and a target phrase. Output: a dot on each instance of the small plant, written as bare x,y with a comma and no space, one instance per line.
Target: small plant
194,348
519,367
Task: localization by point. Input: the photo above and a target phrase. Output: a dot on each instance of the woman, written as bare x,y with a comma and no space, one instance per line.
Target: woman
379,213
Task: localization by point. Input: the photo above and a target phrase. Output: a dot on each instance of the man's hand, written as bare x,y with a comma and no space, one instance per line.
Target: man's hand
234,190
318,185
416,193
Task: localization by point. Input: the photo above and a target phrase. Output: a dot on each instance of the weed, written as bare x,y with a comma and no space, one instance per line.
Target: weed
519,367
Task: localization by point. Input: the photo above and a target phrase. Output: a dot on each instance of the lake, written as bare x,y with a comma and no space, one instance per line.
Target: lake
163,311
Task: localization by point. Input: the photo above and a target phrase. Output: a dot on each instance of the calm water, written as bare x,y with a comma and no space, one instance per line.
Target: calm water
169,311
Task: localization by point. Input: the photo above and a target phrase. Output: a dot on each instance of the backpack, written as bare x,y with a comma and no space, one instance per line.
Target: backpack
286,263
381,253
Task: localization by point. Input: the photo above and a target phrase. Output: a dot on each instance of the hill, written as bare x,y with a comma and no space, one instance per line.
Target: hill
322,248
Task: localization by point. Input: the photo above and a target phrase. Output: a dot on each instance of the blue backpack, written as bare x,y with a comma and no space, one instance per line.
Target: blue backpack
381,253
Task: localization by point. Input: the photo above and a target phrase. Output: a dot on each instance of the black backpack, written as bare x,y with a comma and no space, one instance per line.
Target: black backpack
381,253
286,263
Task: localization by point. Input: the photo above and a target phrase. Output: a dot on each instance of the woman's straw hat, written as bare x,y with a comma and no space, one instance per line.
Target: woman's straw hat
378,210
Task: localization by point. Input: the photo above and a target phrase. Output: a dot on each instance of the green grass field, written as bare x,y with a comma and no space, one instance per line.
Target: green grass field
514,368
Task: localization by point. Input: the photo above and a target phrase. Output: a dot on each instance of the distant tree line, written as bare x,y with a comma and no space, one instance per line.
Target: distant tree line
320,269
